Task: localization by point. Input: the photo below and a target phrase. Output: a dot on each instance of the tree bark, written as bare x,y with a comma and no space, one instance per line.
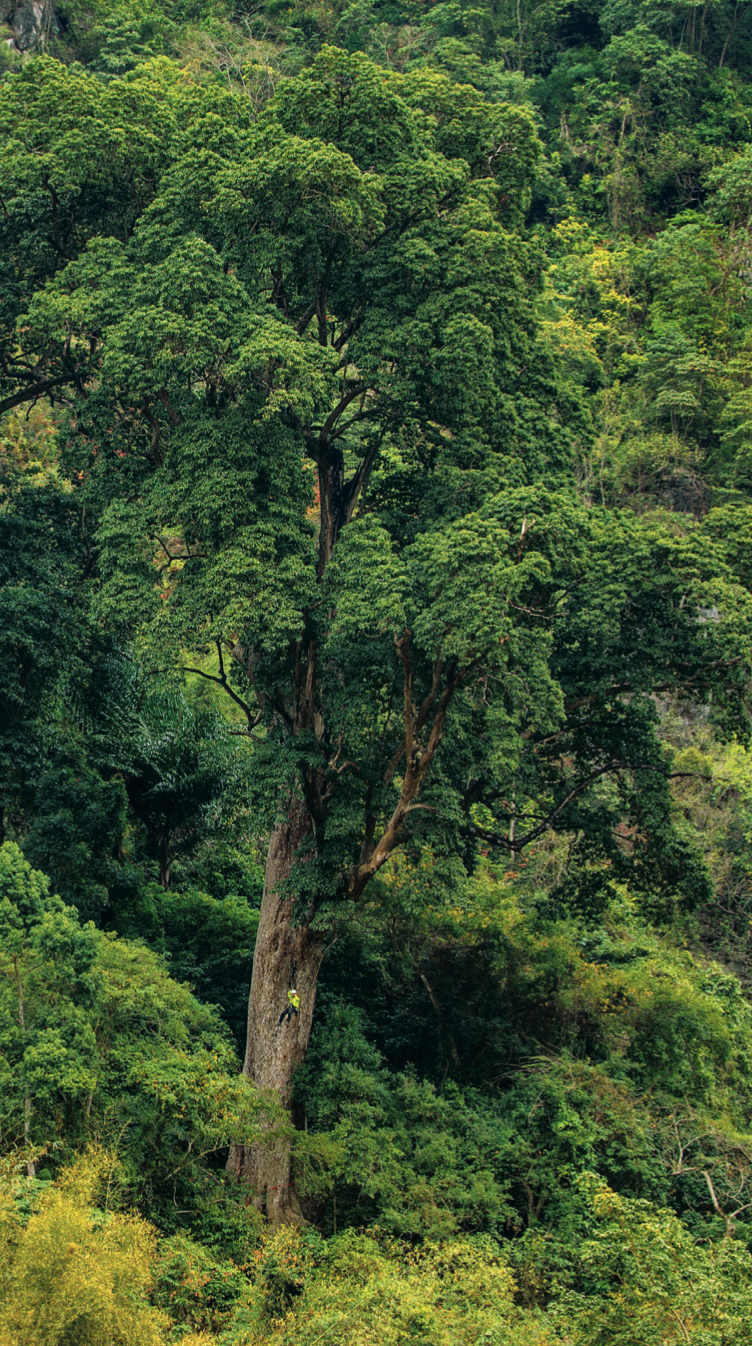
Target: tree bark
30,1165
286,956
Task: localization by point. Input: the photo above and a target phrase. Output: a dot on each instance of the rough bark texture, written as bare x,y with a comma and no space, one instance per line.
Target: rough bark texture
30,22
286,955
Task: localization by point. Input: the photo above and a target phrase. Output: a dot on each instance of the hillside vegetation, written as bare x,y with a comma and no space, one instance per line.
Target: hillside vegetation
376,634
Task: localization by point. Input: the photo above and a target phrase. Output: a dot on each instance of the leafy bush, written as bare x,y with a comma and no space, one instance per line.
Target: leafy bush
197,1289
395,1150
359,1289
647,1280
74,1273
96,1038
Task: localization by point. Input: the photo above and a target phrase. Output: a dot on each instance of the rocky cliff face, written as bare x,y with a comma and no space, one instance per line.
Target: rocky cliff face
30,23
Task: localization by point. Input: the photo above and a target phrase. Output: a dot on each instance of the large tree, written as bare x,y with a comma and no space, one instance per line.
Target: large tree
328,455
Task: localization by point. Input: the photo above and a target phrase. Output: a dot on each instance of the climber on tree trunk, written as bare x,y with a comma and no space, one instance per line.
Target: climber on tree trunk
292,1006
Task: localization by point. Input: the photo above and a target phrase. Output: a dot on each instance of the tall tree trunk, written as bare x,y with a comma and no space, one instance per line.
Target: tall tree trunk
286,956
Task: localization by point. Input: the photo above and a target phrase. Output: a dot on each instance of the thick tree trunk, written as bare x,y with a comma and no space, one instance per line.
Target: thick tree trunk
286,956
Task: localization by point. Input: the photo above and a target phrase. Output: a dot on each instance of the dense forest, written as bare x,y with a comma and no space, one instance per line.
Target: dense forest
376,634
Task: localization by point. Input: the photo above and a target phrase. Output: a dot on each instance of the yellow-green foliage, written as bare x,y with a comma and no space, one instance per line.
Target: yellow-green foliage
74,1275
650,1282
359,1289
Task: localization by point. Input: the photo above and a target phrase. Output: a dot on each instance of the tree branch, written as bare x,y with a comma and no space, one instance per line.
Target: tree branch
509,843
34,391
416,767
221,679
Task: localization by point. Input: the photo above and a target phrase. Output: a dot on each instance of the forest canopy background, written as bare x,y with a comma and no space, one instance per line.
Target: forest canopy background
375,443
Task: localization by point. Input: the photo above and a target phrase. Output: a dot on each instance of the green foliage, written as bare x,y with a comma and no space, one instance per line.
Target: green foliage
611,1049
651,1280
376,431
196,1289
167,1082
79,821
208,942
97,1039
393,1150
44,606
358,1285
49,982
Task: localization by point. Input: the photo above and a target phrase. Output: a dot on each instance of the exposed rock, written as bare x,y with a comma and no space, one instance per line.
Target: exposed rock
684,492
30,23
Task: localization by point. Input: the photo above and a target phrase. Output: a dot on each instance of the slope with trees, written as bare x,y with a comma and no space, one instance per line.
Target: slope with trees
376,608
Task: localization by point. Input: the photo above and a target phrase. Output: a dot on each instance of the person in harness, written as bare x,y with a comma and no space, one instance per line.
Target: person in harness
293,1003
